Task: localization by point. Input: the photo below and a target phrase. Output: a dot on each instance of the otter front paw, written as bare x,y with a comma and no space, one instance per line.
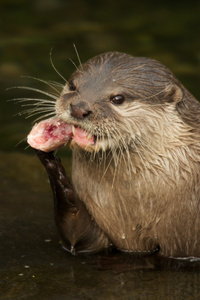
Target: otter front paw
79,233
49,161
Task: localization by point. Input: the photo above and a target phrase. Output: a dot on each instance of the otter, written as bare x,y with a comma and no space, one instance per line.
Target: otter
135,160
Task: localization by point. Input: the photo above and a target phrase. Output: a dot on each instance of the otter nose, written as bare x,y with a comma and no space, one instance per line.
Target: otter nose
79,112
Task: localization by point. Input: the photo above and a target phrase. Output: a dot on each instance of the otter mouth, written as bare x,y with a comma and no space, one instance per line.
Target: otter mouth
51,134
82,137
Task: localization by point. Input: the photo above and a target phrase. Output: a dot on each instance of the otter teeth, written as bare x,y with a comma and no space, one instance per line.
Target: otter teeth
73,129
89,136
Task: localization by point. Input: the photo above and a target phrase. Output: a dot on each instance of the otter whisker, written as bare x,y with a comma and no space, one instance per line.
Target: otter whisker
73,63
22,141
38,104
32,112
22,100
122,148
41,107
42,117
144,144
122,145
37,109
55,83
100,137
55,69
111,158
51,84
78,56
106,153
116,162
53,96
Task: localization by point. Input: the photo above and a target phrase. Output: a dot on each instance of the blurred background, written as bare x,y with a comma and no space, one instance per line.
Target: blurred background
165,30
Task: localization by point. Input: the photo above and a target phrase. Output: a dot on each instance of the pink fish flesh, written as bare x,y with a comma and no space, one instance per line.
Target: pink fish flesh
49,135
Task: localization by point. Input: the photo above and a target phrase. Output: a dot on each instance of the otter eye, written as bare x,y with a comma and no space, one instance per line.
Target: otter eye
117,100
72,87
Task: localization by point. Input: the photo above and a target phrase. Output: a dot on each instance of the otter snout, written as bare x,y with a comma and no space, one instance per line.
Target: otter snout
79,111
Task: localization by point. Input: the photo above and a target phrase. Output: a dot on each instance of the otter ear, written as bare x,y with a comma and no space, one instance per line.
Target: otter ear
173,93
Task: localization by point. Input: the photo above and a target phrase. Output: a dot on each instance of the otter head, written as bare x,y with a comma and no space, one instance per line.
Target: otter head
114,97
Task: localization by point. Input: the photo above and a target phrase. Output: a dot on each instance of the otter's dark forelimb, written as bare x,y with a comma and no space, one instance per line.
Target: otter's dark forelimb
79,233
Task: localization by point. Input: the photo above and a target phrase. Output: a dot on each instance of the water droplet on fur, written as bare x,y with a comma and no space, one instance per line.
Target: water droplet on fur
123,236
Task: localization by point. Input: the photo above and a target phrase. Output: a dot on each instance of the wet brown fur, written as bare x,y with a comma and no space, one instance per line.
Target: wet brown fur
140,182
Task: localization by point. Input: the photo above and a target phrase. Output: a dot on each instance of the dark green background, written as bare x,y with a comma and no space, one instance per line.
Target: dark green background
165,30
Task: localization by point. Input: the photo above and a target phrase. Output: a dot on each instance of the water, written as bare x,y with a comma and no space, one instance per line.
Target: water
34,266
32,263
